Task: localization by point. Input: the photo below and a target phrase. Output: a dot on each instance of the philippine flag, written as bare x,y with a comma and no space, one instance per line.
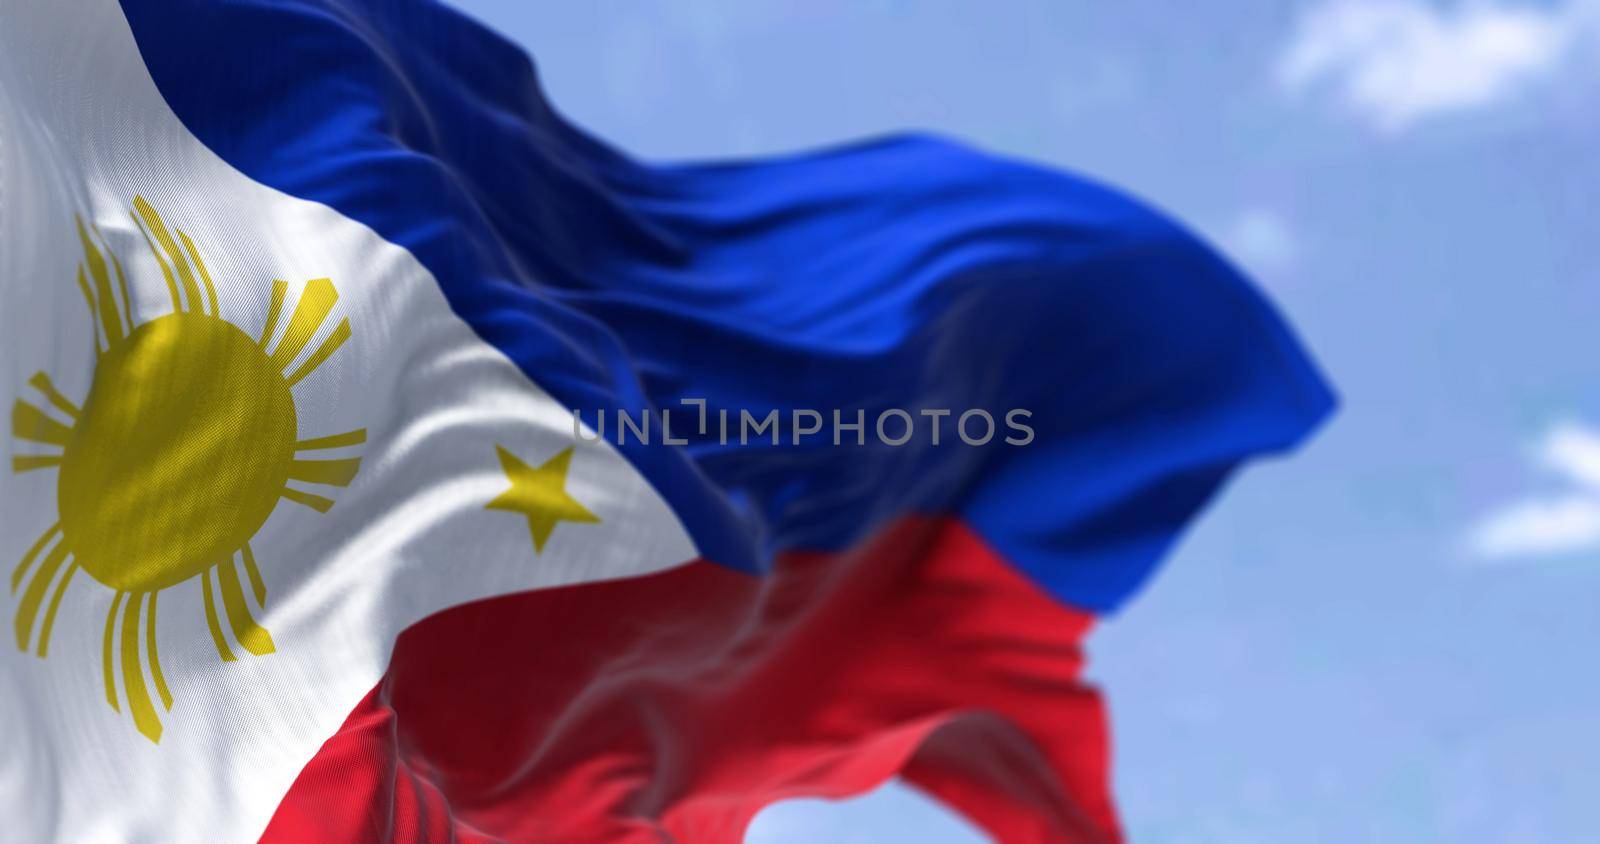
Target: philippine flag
299,300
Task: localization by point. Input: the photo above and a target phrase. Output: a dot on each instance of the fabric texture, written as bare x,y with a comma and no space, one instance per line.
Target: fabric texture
858,610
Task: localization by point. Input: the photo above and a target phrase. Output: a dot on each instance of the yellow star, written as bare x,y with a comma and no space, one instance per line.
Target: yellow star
540,494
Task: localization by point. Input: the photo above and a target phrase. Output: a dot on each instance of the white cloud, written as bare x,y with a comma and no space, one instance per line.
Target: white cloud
1564,523
1394,62
1262,240
1541,527
1573,450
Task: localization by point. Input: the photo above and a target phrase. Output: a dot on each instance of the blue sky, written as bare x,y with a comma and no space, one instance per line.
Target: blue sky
1390,636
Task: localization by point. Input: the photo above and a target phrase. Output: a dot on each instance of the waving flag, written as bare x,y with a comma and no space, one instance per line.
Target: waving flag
298,300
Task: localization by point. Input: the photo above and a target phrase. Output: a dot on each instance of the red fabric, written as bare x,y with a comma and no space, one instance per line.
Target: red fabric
674,707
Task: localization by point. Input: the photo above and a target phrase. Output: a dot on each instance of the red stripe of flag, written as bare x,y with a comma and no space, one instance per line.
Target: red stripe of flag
676,706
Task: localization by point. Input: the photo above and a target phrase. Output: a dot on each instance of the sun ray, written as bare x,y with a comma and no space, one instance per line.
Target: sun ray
88,438
211,620
250,635
158,229
106,652
257,585
309,499
348,438
205,274
336,339
33,596
144,715
329,472
41,382
110,318
122,280
315,302
280,289
29,462
166,271
88,299
155,659
50,611
31,424
27,559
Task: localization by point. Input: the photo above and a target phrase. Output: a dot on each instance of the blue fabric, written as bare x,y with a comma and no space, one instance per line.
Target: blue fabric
907,272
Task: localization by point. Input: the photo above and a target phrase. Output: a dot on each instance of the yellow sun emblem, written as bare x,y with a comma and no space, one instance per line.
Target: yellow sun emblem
186,441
